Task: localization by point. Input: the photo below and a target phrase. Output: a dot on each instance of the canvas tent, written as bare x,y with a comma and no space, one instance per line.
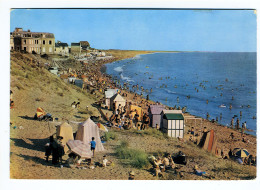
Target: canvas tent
86,131
40,112
155,114
65,130
117,99
209,141
108,94
173,123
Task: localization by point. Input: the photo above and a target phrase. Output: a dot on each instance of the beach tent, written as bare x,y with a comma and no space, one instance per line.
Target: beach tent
108,94
209,142
154,112
65,130
40,112
173,123
102,127
138,109
117,99
86,131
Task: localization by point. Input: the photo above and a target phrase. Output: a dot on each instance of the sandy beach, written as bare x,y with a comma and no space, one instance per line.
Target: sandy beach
33,86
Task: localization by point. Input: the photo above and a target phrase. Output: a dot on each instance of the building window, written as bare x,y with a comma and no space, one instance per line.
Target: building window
50,42
24,41
43,49
43,42
37,41
50,49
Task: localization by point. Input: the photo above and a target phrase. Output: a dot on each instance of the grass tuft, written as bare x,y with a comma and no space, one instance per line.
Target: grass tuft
135,158
110,135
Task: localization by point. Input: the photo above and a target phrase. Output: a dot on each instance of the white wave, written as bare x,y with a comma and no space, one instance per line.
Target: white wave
137,57
126,78
118,69
169,91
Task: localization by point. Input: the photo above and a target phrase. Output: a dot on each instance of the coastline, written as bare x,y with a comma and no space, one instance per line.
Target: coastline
222,131
28,136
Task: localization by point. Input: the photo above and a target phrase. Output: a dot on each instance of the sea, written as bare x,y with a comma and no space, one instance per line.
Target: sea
204,82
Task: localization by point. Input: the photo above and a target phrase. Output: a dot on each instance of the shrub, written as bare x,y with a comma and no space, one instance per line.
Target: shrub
110,135
135,158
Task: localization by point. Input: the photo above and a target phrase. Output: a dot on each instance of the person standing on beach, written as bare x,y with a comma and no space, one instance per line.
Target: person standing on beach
245,125
93,145
146,121
232,123
207,115
237,124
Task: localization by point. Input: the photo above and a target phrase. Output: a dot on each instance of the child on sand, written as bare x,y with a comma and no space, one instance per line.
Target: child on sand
93,145
105,162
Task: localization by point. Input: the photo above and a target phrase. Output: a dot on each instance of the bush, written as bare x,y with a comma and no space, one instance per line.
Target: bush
136,158
110,135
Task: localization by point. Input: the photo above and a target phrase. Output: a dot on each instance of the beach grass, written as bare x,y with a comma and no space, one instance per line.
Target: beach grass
134,157
110,136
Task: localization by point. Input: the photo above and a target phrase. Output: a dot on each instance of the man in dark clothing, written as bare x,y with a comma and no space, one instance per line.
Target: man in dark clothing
48,148
57,150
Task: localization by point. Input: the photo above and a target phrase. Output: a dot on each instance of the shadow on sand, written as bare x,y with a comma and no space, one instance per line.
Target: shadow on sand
27,117
37,144
37,160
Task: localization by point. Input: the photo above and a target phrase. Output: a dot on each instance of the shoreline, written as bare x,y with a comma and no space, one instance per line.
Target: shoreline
103,71
222,131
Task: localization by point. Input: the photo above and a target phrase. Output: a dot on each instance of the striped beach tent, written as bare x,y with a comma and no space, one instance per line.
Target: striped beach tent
79,148
86,131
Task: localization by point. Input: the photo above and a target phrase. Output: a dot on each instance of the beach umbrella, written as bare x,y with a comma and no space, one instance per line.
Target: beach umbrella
240,152
102,127
79,148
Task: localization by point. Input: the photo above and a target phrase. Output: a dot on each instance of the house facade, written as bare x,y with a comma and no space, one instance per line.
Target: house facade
75,48
84,45
32,42
61,49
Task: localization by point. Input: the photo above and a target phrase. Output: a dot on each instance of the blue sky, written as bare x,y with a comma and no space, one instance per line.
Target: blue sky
180,30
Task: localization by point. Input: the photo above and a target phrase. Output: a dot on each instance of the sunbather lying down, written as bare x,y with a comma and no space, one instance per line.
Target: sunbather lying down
197,171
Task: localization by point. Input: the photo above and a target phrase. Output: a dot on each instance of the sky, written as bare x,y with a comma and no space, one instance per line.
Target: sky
139,29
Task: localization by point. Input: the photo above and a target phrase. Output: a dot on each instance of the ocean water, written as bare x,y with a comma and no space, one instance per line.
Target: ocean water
221,78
